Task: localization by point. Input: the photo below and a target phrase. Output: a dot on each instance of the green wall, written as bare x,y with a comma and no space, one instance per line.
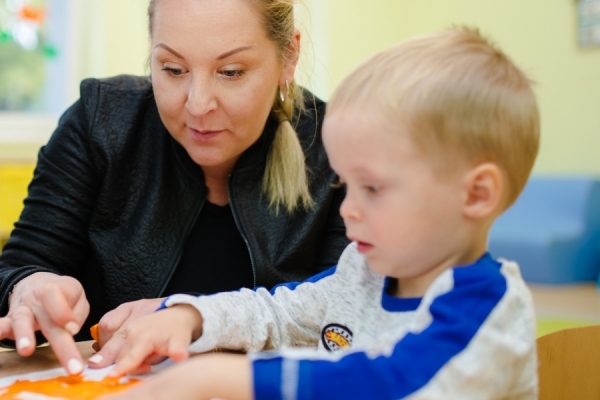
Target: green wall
540,35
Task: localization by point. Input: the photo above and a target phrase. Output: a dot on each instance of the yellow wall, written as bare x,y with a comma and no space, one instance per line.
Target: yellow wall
127,37
540,35
116,38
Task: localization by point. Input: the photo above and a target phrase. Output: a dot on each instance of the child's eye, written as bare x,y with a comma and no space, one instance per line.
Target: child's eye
372,189
232,74
338,184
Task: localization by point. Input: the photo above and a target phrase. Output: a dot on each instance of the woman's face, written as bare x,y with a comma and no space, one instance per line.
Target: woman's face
215,75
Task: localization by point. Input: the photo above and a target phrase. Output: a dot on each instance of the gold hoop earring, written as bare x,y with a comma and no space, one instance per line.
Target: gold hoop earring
287,91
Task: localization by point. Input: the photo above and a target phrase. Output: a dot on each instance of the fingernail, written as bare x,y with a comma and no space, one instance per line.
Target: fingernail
113,374
72,328
96,359
24,343
74,366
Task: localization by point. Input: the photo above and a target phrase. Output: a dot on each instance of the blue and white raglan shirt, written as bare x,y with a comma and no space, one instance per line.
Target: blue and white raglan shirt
472,336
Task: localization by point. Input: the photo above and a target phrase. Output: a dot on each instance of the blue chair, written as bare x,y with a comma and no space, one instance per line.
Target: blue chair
553,230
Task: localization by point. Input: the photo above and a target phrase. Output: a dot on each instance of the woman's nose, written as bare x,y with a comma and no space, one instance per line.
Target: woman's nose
200,98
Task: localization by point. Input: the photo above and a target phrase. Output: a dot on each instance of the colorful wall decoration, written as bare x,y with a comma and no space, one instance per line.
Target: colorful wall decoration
24,52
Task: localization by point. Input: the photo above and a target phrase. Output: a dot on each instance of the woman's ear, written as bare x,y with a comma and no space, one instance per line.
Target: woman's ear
291,59
483,191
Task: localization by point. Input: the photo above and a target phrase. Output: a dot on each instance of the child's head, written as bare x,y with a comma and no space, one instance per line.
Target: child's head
438,136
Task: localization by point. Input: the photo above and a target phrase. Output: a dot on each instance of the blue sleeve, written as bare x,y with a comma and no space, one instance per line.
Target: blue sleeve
414,360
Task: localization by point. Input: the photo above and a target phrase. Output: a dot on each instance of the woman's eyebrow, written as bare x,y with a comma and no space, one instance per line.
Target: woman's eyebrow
236,50
164,46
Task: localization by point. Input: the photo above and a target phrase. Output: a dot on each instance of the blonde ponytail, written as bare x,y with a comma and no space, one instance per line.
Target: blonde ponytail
285,181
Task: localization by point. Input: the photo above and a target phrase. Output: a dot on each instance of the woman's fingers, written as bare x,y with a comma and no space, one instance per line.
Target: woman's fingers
6,331
46,302
59,311
58,321
63,345
23,330
81,308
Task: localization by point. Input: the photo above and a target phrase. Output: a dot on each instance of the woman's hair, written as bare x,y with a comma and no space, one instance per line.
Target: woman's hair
459,96
285,181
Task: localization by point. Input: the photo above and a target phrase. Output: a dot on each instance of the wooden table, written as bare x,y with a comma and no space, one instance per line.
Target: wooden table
12,363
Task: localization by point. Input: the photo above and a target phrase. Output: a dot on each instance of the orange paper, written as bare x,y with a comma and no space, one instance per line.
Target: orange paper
67,387
94,332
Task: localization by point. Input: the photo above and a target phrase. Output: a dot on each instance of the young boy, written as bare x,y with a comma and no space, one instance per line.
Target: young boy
434,138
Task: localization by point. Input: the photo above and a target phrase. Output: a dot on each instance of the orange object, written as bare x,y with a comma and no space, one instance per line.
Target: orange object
68,387
94,332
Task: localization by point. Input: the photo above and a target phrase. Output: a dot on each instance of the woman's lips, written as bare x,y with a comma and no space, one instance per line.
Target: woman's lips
204,136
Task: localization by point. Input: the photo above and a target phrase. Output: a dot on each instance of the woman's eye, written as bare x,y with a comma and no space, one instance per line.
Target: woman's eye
173,71
232,73
372,189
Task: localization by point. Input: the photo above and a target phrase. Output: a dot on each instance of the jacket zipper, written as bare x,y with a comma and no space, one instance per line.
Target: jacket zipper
235,219
178,258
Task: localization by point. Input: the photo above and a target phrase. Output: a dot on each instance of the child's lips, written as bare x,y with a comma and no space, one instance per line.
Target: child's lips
363,247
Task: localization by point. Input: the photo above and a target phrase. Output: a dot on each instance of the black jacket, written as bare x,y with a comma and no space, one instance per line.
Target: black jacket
114,198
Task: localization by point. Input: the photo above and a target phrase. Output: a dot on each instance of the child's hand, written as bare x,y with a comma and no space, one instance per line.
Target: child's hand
211,376
165,333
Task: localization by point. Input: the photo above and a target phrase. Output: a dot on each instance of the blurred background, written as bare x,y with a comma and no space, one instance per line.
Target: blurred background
48,46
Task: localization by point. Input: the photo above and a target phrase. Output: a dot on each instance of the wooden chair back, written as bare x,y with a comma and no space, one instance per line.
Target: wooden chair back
569,364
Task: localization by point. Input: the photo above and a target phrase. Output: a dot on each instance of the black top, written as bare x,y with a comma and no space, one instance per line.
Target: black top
215,257
114,198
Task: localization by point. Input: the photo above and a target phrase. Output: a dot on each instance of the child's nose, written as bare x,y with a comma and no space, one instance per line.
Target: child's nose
348,210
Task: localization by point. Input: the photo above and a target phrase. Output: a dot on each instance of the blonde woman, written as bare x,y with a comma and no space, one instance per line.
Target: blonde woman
210,176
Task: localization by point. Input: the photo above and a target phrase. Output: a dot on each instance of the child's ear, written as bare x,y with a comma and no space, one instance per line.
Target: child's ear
483,188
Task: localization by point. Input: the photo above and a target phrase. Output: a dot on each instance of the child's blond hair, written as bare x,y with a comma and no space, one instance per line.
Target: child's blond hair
459,95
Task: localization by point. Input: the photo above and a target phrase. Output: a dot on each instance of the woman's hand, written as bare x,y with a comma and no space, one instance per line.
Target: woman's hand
53,304
210,376
165,333
112,329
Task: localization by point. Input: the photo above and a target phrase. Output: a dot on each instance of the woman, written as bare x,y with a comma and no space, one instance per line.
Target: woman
192,181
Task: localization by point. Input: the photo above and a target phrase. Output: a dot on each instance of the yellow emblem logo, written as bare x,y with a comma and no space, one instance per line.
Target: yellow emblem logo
336,337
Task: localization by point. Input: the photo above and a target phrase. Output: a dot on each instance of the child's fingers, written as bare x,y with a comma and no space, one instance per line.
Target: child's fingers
177,348
155,359
142,369
145,352
109,352
132,358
